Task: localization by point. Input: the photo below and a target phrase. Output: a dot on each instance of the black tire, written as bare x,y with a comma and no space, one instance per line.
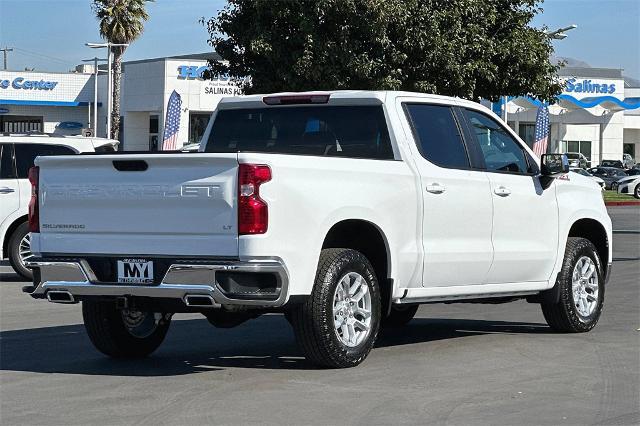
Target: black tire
636,191
313,321
14,251
564,316
400,315
109,334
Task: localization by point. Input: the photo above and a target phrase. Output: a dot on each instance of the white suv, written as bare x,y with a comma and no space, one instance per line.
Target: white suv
17,153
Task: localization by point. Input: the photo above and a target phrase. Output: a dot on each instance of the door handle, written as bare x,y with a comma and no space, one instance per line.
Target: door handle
502,191
435,188
5,190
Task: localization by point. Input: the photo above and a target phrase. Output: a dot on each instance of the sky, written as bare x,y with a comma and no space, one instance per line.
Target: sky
49,35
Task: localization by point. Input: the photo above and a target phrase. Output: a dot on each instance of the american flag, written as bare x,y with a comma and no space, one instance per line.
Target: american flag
541,133
172,122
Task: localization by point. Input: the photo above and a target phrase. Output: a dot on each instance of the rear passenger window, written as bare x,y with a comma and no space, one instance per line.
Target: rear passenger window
7,170
500,150
437,134
26,153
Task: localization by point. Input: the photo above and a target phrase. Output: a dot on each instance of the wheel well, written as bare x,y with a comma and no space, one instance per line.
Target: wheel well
10,229
593,231
364,237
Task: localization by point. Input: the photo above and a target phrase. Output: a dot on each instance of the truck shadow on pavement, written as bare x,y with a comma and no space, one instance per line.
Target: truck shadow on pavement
194,346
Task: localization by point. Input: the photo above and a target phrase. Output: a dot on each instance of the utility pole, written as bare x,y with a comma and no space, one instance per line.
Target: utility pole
6,50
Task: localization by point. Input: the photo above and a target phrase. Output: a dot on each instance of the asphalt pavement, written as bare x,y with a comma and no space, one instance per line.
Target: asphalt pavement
454,364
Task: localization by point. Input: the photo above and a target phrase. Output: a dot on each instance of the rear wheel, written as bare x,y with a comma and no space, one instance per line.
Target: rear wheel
124,333
20,251
400,315
581,287
338,324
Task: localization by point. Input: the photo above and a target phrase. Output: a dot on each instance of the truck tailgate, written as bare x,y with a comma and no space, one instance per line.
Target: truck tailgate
164,204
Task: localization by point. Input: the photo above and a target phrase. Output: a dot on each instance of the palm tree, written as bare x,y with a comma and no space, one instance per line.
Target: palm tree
121,22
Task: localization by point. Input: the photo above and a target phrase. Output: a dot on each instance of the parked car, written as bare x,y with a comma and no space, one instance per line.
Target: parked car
630,187
608,174
630,175
583,172
17,153
612,163
627,161
190,147
577,159
293,207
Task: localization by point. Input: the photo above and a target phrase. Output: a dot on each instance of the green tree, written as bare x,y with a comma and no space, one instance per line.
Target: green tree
121,22
467,48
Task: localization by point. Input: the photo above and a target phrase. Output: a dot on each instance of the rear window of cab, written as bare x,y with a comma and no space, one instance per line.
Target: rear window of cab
330,131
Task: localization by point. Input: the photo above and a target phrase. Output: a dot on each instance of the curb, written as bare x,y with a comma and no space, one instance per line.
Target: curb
622,203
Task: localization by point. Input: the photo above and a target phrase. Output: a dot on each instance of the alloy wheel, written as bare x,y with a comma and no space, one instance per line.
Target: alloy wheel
352,309
24,250
585,286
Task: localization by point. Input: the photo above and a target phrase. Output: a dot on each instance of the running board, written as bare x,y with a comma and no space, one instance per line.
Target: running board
483,291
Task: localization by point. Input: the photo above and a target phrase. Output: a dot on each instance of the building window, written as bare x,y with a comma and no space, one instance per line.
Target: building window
20,124
154,125
583,147
198,122
629,148
526,131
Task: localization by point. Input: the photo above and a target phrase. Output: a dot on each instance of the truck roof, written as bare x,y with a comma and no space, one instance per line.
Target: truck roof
344,97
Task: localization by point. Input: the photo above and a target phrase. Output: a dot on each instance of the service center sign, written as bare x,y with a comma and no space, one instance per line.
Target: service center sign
23,83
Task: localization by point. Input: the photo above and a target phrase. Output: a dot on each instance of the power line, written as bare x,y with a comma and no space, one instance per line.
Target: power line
42,55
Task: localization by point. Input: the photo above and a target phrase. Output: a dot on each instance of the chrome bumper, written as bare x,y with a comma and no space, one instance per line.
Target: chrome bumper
180,281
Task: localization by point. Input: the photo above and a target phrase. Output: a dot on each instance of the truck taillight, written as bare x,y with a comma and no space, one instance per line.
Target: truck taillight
253,213
34,211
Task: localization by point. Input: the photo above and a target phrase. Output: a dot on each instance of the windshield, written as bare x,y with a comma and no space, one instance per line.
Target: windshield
572,155
338,131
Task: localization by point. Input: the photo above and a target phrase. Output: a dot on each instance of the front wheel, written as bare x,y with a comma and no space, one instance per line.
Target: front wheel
636,192
124,333
581,287
338,324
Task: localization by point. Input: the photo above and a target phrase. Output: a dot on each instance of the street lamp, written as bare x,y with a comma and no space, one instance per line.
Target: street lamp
108,46
560,33
94,123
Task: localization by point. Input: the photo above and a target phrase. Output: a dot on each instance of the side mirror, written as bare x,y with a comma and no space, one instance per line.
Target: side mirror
554,165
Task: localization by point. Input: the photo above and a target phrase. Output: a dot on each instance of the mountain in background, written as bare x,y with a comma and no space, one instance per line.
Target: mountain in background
576,63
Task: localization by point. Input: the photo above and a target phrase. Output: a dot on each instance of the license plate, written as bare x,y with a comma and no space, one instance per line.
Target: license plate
135,271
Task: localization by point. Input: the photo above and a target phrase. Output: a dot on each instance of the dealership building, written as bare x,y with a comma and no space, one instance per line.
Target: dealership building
598,114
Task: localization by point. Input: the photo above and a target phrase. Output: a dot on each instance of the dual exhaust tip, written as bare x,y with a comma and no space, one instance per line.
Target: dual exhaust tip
191,300
60,296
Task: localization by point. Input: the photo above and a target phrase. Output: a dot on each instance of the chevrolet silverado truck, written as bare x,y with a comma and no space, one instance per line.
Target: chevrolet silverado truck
343,210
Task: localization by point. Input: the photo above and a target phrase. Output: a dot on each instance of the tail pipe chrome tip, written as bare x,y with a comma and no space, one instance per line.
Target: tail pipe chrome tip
199,301
60,296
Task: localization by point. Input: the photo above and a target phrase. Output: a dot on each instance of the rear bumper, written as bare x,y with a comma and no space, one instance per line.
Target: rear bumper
181,281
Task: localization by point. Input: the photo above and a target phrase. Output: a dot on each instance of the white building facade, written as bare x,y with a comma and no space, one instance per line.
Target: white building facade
48,102
597,115
147,86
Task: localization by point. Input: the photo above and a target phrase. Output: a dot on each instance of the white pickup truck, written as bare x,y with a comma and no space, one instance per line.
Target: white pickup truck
344,210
